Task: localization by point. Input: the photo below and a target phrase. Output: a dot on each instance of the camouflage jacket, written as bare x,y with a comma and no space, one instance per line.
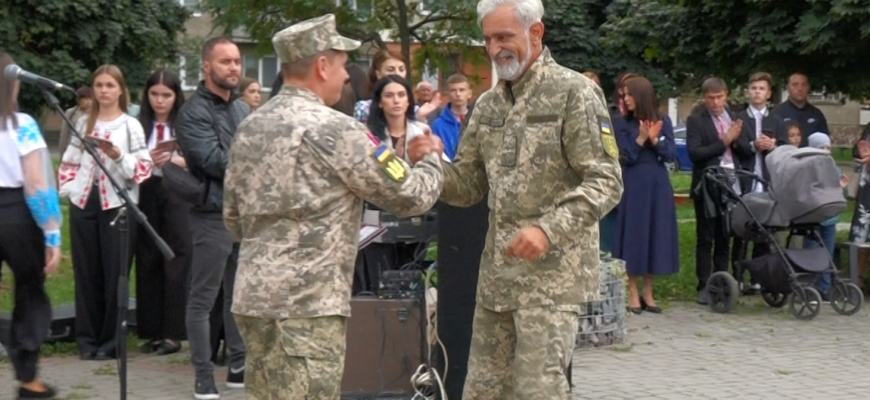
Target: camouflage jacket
544,151
293,197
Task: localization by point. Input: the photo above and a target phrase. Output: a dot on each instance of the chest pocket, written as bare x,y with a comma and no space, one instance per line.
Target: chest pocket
541,140
497,144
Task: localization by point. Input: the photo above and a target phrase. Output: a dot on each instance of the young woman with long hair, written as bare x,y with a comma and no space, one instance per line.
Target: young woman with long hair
646,219
161,285
30,238
120,142
385,63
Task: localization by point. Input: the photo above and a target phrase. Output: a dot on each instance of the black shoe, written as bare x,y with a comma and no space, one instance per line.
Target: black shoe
236,378
168,347
205,389
703,297
151,346
105,355
652,309
87,356
25,394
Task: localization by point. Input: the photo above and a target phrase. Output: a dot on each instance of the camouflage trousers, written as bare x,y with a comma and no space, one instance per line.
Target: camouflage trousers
293,359
521,354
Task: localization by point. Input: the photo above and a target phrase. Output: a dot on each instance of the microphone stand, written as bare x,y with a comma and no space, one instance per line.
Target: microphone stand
121,222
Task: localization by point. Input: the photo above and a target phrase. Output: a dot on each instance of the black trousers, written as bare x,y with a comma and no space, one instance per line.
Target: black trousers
161,285
22,247
712,246
96,264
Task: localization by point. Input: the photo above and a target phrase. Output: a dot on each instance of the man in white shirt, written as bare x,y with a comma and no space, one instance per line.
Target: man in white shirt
762,132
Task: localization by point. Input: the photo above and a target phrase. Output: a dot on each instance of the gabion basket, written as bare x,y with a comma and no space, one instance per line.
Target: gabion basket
602,322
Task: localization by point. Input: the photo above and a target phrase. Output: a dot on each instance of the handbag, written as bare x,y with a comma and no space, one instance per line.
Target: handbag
183,184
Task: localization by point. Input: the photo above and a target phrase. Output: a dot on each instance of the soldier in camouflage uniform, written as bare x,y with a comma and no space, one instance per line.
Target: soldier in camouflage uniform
540,143
295,184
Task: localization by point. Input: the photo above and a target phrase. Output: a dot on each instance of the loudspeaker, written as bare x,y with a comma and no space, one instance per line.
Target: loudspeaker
385,346
63,323
461,238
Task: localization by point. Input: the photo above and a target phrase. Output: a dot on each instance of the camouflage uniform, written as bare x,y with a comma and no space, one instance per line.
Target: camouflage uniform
544,151
295,184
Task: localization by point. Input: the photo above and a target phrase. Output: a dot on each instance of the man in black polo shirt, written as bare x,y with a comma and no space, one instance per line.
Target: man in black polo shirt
796,108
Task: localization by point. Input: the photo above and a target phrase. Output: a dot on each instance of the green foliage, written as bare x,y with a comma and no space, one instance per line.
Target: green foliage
448,27
573,36
68,39
693,39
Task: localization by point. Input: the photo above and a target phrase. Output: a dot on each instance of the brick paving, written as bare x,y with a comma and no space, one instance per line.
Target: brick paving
689,352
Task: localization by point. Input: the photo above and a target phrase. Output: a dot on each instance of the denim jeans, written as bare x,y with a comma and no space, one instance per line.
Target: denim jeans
828,234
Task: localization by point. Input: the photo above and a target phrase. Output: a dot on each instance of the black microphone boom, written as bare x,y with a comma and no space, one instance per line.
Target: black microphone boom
14,72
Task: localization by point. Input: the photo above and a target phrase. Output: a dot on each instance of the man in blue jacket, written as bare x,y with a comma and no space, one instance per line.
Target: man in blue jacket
448,125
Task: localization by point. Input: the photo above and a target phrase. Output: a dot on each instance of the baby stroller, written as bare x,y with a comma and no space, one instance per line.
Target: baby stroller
802,193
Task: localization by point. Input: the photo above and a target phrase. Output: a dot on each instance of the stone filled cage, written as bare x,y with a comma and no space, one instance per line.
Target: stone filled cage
603,321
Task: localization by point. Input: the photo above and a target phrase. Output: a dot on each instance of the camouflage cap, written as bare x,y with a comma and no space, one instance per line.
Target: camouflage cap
310,37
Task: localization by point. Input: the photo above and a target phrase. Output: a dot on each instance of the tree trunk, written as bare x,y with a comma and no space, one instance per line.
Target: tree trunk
404,33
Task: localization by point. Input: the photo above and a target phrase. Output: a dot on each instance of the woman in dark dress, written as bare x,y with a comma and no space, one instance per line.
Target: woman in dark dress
646,220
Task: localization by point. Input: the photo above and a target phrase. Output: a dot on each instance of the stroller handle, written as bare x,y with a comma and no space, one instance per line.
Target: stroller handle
723,177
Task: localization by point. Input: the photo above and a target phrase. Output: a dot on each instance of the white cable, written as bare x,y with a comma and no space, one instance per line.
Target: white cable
426,379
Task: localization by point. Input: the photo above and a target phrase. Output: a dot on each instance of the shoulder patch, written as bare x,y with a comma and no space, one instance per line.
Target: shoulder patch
391,165
608,140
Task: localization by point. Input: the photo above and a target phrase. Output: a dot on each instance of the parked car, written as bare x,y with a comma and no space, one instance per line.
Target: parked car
682,161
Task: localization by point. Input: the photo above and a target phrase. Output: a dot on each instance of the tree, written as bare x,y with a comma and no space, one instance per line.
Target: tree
68,39
447,27
693,39
572,33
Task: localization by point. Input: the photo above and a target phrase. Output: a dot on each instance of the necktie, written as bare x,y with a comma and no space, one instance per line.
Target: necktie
722,129
160,133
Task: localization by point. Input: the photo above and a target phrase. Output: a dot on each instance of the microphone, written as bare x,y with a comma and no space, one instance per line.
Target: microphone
14,72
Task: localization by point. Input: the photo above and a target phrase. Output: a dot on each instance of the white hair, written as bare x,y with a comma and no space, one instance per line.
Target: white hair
420,85
527,11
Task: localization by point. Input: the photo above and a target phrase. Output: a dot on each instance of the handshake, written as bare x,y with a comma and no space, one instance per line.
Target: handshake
424,144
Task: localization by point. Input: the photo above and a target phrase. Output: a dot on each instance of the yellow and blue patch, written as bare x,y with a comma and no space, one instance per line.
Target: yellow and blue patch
391,165
608,140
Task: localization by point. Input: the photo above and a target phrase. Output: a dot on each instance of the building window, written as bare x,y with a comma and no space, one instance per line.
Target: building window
362,7
192,5
264,70
189,80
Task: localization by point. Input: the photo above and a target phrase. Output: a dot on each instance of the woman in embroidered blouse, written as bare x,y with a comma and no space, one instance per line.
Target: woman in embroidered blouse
94,204
30,237
389,63
161,285
646,218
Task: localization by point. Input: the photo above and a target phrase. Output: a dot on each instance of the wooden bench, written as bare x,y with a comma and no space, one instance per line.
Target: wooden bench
853,250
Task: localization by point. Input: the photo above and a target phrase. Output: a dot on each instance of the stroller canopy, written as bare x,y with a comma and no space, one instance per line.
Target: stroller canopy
805,185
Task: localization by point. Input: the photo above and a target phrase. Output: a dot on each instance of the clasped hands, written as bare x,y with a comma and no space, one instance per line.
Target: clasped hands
863,153
424,144
764,143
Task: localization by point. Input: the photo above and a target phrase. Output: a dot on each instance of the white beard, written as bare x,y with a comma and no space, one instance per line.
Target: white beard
514,68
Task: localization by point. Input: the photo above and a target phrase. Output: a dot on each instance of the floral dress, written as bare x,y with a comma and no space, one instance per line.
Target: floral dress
860,228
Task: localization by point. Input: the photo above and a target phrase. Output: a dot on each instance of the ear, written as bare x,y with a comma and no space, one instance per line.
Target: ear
536,31
321,65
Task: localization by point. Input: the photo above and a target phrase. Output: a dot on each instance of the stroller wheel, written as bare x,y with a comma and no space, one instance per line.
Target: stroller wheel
723,291
774,300
806,302
846,298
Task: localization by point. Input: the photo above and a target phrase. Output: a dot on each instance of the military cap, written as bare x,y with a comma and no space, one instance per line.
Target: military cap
310,37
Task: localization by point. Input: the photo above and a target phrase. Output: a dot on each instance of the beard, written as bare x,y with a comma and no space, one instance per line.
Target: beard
223,83
514,68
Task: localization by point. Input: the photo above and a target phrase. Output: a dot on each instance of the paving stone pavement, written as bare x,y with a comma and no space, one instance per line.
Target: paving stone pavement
686,353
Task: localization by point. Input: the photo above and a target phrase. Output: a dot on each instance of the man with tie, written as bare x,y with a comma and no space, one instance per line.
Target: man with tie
762,132
711,138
